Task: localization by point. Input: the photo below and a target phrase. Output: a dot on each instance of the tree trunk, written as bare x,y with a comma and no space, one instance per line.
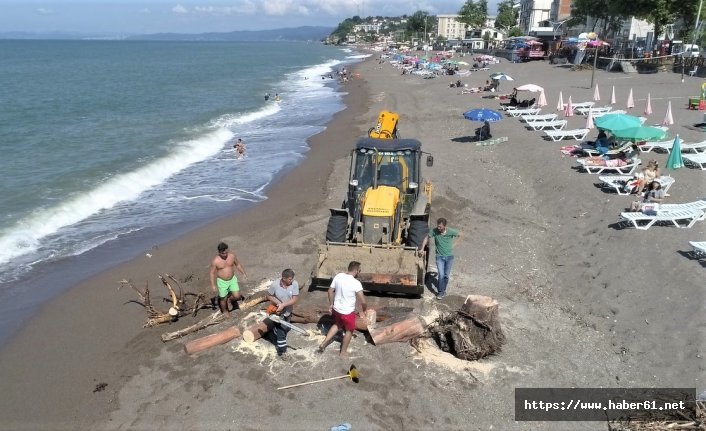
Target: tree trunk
303,314
473,332
209,341
398,330
257,331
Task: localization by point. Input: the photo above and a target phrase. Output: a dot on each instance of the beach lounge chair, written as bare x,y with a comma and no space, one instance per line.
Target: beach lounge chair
699,248
617,182
600,114
581,105
594,111
523,111
538,117
679,218
699,205
696,159
558,135
662,145
553,124
696,147
622,170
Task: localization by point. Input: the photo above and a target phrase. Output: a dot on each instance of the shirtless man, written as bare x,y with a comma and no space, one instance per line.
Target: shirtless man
222,274
239,148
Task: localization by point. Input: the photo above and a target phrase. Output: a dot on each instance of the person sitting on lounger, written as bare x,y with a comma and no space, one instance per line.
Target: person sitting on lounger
654,194
650,173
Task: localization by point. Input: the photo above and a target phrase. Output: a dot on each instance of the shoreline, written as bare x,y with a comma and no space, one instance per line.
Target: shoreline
537,236
296,191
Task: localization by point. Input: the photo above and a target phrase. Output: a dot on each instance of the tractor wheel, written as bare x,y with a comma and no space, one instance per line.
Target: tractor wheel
418,229
371,131
337,228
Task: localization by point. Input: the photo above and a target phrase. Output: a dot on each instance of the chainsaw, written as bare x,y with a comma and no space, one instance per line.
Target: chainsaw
271,314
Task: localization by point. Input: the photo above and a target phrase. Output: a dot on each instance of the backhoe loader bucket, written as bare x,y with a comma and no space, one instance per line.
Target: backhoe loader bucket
392,269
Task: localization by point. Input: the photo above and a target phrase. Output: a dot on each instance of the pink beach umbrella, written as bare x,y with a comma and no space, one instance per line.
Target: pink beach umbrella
560,105
631,101
648,105
596,94
668,120
612,97
569,110
542,99
589,120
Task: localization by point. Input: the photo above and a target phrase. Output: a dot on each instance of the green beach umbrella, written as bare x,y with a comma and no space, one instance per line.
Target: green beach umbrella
674,161
639,133
612,122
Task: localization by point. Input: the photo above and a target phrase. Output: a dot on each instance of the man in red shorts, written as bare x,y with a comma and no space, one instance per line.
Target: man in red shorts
342,295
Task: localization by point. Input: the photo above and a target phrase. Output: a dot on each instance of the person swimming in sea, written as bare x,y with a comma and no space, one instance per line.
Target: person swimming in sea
239,149
277,99
267,97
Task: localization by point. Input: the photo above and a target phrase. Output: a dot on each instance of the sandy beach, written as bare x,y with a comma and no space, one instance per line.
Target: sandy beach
583,303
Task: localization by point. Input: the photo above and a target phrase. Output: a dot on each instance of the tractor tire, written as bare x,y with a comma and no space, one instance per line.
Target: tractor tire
337,228
371,131
418,230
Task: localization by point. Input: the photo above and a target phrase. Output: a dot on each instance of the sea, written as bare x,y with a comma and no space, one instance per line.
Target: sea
108,148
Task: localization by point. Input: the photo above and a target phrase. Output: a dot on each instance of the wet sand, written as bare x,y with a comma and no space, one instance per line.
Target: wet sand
583,303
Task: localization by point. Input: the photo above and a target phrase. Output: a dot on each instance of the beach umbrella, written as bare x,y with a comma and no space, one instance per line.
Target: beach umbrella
589,120
612,97
483,114
668,120
569,110
542,99
631,101
612,122
596,94
534,88
674,161
640,133
499,76
560,105
648,106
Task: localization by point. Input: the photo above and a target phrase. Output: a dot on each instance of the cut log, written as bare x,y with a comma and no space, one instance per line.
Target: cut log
257,331
398,330
473,332
305,314
203,343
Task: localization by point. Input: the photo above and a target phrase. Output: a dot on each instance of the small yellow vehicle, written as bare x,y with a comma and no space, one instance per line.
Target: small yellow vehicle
386,127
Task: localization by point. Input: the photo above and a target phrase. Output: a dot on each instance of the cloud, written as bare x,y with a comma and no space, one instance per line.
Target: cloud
246,7
180,9
145,10
44,11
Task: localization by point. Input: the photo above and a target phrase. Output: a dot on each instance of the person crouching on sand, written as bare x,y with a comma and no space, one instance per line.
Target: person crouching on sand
222,275
342,295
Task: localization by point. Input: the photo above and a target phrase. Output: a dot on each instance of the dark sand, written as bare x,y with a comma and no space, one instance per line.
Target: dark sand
583,303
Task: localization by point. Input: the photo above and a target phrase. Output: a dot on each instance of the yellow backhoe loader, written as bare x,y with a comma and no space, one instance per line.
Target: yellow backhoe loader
386,127
383,220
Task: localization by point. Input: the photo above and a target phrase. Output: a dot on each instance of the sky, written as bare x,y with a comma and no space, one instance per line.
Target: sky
198,16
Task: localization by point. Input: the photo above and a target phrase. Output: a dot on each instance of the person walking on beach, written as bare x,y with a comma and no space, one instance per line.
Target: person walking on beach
283,294
222,274
443,243
342,295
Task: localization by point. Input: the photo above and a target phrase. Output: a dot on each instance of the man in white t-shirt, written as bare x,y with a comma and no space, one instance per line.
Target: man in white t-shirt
342,295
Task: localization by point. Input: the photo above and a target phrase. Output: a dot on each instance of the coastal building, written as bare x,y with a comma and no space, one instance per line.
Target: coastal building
452,29
560,11
532,12
367,27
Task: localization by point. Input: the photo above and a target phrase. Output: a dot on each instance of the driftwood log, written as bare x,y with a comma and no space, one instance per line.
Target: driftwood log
400,329
215,318
471,333
203,343
257,331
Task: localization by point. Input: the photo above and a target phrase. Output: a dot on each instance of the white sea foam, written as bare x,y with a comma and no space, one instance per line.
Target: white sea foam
26,235
358,56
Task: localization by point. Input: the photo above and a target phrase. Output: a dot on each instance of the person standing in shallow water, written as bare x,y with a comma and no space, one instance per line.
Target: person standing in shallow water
222,275
443,243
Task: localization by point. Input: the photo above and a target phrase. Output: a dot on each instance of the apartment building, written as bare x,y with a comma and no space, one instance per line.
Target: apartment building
532,12
449,27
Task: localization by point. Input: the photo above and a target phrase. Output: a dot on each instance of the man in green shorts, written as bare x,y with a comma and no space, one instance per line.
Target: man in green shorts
222,275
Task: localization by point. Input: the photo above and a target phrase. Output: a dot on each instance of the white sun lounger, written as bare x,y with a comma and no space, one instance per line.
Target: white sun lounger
541,125
600,114
538,117
558,135
649,146
617,182
524,111
643,221
696,147
699,205
601,110
696,159
699,248
580,105
623,170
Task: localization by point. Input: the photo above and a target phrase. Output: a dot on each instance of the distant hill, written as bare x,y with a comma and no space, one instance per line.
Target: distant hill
280,34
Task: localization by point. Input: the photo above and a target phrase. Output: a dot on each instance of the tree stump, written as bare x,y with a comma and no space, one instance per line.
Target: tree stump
257,331
471,333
